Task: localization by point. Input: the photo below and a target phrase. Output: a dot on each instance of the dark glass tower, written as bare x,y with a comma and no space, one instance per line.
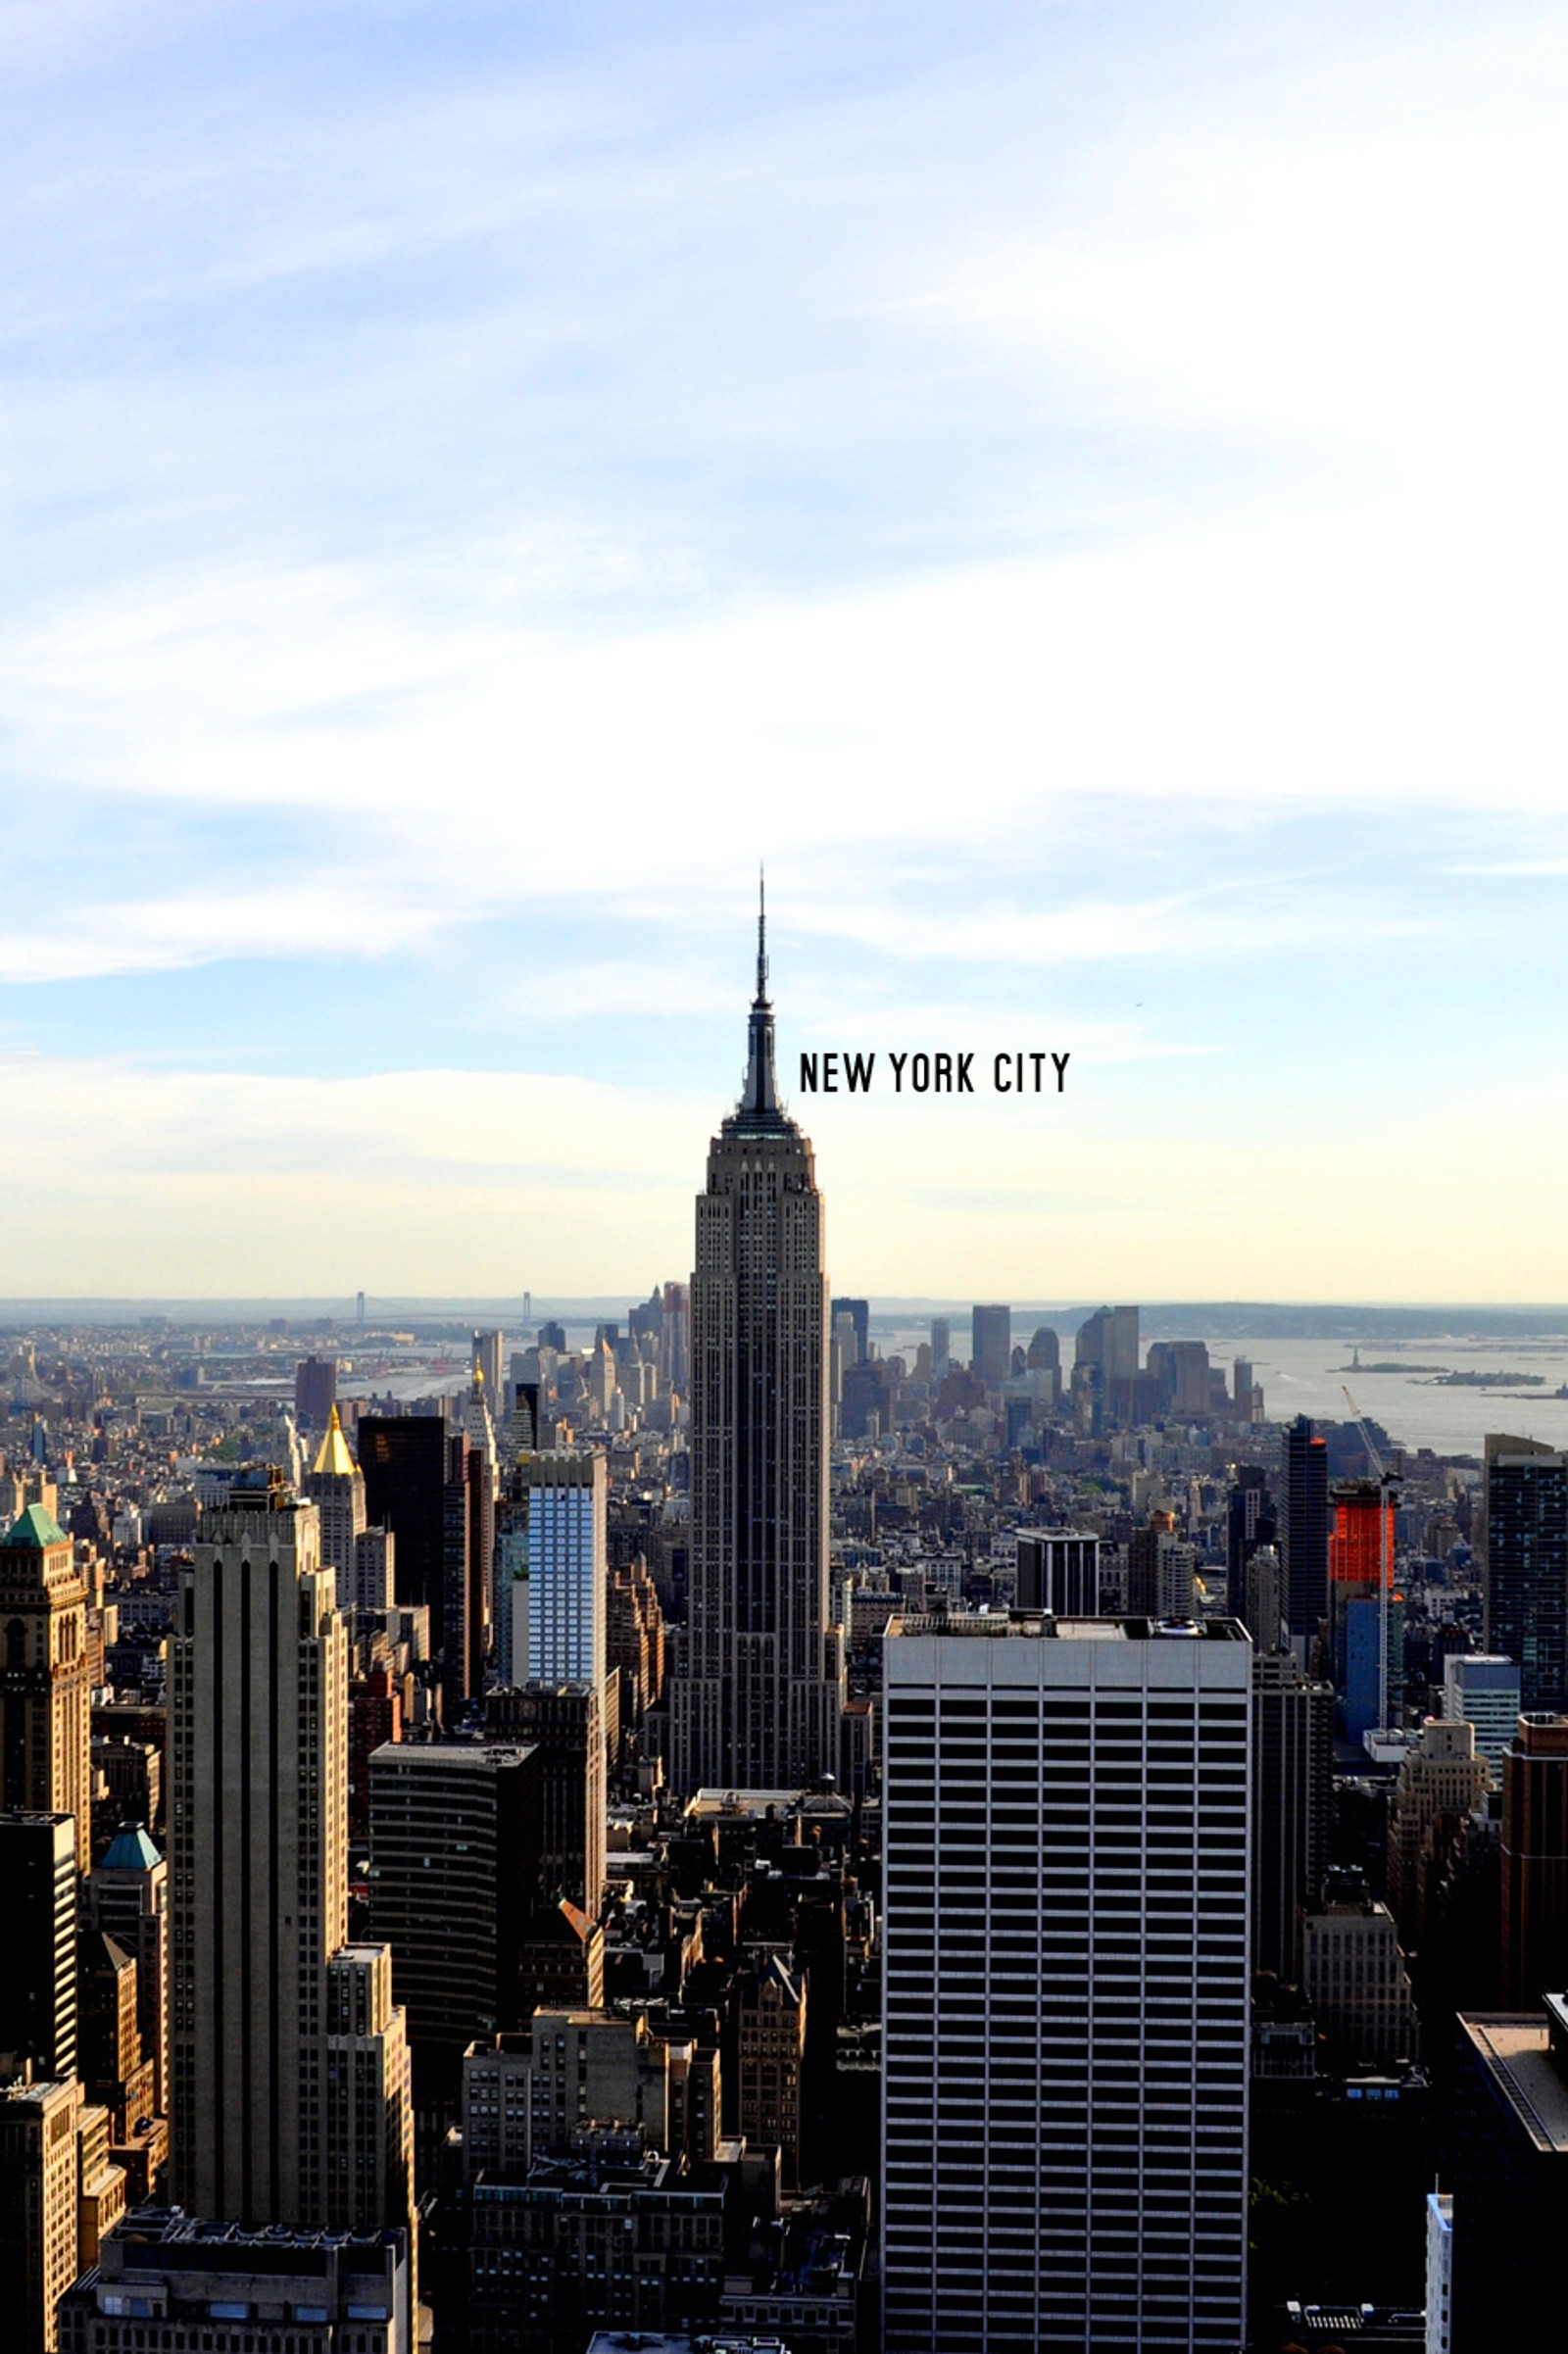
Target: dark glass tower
1304,1529
759,1689
1250,1522
1526,1582
418,1484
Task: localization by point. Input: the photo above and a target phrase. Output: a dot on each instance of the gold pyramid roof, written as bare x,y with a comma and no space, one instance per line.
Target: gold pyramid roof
334,1457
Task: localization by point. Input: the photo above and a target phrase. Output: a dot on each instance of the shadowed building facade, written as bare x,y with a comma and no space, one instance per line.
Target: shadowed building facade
45,1700
758,1695
259,1857
1525,1559
1305,1530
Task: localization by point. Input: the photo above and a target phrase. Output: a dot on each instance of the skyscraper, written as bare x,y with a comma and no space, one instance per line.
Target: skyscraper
1250,1522
1481,1688
127,1896
1292,1806
404,1459
38,2011
674,1339
1065,2023
314,1390
490,1356
337,1490
45,1702
759,1690
1305,1530
258,1858
41,2240
1353,1974
1440,1781
859,1312
481,1406
1108,1339
1525,1566
1535,1861
454,1852
563,1725
420,1483
289,2079
1059,1572
990,1343
550,1570
370,2116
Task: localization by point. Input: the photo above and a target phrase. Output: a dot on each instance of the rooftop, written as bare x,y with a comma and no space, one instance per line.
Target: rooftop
333,1460
35,1528
1039,1624
734,1805
656,2341
1513,2050
171,2227
130,1850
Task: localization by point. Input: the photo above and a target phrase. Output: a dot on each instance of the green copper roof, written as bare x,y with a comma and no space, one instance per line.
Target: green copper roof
130,1850
35,1527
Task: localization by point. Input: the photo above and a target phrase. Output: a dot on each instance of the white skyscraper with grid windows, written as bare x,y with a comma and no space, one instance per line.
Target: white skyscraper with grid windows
1066,2031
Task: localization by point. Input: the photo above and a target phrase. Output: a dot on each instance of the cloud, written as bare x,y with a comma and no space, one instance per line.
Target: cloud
1080,492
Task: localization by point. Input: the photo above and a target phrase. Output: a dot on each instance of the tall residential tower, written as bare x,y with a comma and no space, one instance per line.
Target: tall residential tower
758,1695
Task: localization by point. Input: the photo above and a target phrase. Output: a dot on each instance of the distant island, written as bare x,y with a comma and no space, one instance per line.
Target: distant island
1399,1368
1489,1381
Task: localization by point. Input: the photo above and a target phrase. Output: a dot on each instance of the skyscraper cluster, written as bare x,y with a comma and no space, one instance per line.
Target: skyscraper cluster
739,1825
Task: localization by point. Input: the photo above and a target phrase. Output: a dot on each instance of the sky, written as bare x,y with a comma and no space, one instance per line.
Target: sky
1078,489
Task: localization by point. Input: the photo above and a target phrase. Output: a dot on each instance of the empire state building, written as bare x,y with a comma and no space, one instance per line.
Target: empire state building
759,1690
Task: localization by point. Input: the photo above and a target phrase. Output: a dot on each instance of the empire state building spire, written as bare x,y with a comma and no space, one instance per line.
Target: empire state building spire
759,1104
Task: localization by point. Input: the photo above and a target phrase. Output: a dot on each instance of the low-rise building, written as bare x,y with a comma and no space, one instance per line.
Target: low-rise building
610,2236
270,2290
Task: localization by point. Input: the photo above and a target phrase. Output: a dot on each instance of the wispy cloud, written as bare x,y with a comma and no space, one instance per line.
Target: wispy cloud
1079,491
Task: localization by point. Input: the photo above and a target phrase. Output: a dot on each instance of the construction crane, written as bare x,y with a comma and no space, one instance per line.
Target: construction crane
1388,1489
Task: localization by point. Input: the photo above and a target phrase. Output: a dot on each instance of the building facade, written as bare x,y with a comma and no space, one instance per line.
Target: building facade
336,1489
168,2279
1353,1975
563,1725
991,1342
1305,1530
1483,1689
370,2116
454,1854
127,1896
550,1570
759,1690
45,1699
1066,2029
39,2243
258,1861
1535,1861
1293,1802
1059,1572
38,2004
1525,1566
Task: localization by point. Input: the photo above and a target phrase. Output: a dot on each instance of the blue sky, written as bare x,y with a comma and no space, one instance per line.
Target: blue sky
1080,489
